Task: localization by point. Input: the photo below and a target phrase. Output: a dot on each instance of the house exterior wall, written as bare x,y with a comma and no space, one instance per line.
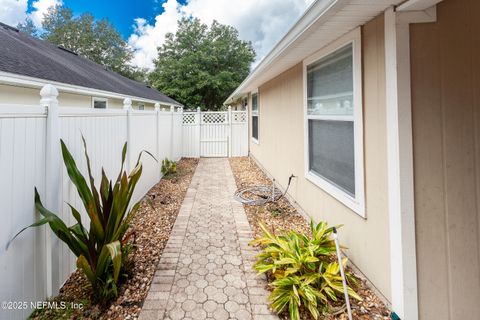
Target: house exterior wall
446,129
10,94
281,152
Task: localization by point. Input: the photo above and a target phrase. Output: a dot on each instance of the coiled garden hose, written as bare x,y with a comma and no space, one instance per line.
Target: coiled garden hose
260,195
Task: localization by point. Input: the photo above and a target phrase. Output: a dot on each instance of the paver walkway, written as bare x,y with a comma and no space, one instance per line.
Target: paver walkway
205,271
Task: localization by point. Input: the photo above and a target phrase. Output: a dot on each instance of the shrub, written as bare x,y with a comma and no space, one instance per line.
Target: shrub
101,251
303,269
168,167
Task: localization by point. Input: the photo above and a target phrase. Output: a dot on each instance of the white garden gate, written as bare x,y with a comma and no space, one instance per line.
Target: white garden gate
215,134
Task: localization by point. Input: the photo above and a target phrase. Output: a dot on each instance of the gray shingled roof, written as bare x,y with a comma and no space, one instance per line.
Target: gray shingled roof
25,55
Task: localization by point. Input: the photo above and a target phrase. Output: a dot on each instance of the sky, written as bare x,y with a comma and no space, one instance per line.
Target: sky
144,23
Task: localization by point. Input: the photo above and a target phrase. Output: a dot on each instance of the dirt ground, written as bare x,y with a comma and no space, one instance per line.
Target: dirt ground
283,216
152,225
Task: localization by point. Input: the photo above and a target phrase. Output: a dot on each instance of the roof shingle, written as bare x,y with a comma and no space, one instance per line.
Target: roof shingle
25,55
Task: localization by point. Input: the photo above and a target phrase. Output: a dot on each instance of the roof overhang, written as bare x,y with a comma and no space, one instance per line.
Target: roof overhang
323,22
417,5
31,82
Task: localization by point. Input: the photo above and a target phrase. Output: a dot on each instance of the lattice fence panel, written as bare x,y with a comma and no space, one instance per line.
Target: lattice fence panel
239,117
189,118
215,117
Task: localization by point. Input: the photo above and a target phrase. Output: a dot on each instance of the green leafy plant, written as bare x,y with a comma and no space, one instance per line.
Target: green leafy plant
168,167
274,208
303,269
101,250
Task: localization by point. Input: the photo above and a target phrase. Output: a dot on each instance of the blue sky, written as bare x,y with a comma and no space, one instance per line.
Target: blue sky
144,23
121,13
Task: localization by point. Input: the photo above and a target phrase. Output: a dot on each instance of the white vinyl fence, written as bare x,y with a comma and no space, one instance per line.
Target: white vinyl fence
215,134
36,264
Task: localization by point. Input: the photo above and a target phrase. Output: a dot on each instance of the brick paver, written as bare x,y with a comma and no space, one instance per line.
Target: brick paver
205,271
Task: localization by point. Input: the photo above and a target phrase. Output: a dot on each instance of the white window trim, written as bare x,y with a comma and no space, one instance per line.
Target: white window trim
357,203
99,99
256,114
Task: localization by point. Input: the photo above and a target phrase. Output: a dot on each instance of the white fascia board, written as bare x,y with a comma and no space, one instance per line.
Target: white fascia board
417,5
31,82
317,10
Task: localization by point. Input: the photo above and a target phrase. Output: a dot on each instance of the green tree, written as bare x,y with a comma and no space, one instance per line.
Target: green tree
200,66
28,27
97,40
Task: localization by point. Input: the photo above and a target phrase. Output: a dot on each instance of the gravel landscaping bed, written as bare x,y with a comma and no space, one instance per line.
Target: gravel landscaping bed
152,225
283,216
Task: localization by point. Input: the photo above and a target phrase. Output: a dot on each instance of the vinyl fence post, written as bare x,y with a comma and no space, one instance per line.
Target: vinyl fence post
127,106
172,123
230,120
53,166
159,161
180,140
199,131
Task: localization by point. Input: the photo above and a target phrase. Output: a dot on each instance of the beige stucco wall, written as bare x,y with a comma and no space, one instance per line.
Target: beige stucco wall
17,95
446,126
281,152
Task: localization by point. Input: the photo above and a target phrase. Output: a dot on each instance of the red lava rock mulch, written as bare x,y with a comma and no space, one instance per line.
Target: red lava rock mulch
152,227
283,216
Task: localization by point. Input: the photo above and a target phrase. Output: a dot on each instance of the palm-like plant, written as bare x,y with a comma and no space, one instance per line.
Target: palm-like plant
100,250
303,269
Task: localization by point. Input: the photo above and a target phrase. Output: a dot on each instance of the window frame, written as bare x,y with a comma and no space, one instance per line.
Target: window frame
357,202
141,106
256,113
100,100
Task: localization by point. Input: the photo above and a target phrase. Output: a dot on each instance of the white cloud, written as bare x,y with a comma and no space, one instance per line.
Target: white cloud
263,22
40,8
146,38
13,11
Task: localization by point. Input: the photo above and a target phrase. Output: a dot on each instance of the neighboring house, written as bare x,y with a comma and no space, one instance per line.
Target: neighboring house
375,106
28,63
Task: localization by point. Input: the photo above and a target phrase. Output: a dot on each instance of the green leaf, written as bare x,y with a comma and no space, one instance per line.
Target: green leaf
286,261
293,309
83,264
92,183
116,255
83,191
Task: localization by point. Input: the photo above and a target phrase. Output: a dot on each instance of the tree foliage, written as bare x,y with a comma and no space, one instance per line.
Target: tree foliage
200,66
97,40
28,27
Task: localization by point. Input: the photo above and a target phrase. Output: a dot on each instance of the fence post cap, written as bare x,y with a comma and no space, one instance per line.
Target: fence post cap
229,108
49,91
198,109
157,106
172,108
127,104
